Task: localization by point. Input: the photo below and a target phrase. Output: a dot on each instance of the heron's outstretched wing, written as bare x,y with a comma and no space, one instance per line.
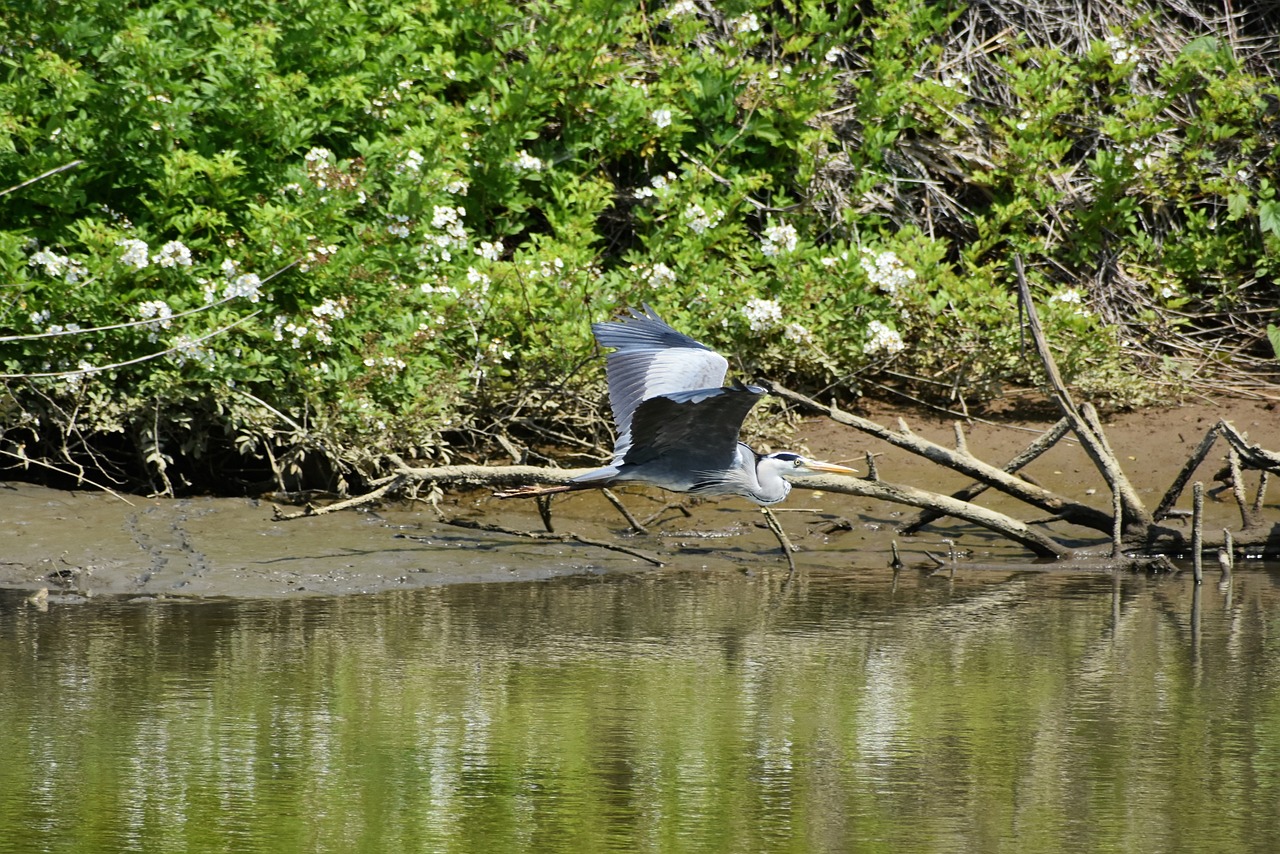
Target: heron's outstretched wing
690,433
651,359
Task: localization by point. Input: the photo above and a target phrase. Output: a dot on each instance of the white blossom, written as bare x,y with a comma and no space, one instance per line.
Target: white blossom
748,23
779,239
660,276
57,266
797,333
1072,297
762,314
882,339
172,254
526,162
699,221
886,271
160,310
399,226
490,251
661,118
412,162
246,285
682,7
1121,51
136,252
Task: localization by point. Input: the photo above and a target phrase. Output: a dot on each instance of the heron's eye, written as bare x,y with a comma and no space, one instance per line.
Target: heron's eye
797,462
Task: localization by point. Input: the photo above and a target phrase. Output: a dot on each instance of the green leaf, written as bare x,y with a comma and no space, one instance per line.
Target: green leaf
1237,206
1269,216
1273,335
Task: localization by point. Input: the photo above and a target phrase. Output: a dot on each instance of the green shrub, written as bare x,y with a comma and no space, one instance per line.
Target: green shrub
294,237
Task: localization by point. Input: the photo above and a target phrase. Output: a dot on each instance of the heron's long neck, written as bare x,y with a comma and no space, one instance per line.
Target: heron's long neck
768,487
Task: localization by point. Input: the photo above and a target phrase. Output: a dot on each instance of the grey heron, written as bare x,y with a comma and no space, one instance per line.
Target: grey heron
678,423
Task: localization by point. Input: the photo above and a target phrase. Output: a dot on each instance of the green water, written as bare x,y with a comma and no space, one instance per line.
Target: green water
658,712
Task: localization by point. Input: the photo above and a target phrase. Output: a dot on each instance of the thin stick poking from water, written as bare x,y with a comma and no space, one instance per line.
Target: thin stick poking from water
1197,530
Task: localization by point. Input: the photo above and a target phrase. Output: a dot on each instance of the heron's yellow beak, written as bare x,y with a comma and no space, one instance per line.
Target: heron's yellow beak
832,468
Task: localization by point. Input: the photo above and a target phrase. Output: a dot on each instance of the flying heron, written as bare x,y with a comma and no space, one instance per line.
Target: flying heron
678,423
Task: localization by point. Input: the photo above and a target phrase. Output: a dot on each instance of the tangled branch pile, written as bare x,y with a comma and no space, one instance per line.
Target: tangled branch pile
1129,147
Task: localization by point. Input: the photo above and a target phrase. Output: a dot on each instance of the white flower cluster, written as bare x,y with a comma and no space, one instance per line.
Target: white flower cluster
319,163
478,294
412,162
657,184
380,104
748,23
385,362
136,252
158,309
39,318
399,226
57,266
661,118
779,239
238,284
699,221
526,162
457,187
796,333
490,251
547,269
454,234
1072,297
762,314
172,254
319,324
1122,52
187,348
447,290
881,339
321,254
660,276
956,80
886,271
682,7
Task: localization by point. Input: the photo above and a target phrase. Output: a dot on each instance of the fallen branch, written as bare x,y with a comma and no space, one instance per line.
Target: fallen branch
1083,422
1029,493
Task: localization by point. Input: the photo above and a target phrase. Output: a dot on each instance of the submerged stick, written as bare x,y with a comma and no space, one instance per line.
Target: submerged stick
776,526
1197,530
1117,532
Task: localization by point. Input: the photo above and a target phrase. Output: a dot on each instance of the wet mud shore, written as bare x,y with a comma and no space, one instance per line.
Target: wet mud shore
85,545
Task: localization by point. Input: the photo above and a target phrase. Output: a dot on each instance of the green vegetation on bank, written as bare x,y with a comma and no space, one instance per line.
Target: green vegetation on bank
297,236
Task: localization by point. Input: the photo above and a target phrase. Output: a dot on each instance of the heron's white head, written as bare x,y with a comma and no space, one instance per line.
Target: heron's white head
786,464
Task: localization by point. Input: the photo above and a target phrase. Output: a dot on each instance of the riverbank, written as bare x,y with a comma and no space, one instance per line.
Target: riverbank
82,545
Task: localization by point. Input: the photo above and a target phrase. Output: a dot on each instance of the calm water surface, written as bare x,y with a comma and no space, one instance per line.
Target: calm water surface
657,712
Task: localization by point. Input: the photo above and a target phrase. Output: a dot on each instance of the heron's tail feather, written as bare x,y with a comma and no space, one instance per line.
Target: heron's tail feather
533,490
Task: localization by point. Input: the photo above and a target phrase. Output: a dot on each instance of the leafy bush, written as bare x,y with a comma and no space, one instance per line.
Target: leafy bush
274,242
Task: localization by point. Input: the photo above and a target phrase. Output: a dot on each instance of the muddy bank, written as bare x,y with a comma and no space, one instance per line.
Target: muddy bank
82,545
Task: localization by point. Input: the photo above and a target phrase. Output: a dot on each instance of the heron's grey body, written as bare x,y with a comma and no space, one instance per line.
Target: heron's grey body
678,423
